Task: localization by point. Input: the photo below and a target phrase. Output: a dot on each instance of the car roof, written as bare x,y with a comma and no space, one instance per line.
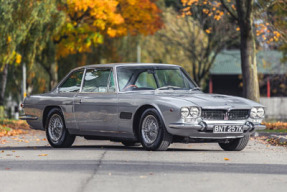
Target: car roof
125,64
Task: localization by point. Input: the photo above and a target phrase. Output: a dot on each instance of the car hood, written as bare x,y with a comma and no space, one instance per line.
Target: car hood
217,101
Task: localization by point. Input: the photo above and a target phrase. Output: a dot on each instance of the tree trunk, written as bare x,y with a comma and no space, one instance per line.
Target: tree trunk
53,75
3,84
248,50
249,67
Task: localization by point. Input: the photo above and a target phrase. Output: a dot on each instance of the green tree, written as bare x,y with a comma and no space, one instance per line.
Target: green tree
25,29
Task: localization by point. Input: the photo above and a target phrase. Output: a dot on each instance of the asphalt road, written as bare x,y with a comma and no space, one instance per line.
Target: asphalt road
28,163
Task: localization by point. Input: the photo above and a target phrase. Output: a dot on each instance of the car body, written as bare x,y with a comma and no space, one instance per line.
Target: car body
143,103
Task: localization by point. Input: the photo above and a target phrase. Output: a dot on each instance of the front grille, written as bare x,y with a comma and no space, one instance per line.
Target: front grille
215,114
238,114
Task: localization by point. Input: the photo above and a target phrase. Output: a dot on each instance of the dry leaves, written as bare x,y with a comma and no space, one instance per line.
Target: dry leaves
43,155
226,159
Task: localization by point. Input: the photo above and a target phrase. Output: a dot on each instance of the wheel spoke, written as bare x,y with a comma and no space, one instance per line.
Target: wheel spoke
55,127
150,129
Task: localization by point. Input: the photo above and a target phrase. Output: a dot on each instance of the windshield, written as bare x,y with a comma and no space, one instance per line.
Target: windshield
151,78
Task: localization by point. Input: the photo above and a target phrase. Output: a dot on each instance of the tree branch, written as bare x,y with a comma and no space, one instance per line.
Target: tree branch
228,10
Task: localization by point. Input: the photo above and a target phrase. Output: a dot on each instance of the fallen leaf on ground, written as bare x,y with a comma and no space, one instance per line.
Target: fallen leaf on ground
226,159
43,154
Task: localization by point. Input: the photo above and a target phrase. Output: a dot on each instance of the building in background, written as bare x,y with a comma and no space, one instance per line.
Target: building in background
226,74
226,78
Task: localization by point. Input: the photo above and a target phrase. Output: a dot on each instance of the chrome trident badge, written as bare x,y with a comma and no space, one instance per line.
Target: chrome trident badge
226,116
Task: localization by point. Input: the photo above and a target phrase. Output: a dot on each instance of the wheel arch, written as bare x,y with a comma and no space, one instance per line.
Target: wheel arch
46,111
138,114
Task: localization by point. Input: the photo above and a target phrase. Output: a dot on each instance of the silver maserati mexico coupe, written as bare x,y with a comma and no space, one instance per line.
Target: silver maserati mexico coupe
151,104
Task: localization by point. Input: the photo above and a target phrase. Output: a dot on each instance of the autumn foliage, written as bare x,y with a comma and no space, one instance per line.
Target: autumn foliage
218,8
276,126
88,22
12,127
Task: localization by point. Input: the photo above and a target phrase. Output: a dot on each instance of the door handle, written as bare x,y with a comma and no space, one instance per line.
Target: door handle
77,101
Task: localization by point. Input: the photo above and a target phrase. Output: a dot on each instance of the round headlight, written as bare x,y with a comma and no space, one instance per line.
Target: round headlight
260,112
184,111
253,113
194,112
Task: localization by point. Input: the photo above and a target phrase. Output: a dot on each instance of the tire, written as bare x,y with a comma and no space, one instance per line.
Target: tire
58,137
130,144
235,144
152,132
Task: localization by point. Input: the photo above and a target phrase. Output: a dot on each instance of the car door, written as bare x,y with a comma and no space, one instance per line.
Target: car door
67,90
96,106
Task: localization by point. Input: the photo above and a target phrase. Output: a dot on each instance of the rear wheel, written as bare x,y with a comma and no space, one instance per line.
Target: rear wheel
56,131
152,132
235,144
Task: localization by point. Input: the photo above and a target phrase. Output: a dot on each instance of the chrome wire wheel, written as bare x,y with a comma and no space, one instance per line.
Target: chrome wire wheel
55,127
150,129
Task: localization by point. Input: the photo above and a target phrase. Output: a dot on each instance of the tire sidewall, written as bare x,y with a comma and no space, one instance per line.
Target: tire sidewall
157,142
62,138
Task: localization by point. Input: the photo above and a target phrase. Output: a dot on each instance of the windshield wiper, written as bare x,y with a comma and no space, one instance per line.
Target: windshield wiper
168,87
196,89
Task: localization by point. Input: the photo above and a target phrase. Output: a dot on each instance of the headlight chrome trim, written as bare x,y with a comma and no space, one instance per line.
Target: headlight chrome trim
257,113
193,112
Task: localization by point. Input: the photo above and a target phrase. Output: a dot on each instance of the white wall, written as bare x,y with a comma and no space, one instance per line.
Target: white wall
276,107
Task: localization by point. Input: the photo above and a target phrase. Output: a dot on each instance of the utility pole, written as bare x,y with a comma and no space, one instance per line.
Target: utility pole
138,53
24,81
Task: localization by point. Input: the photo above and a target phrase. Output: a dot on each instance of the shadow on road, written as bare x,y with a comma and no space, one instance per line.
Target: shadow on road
102,147
132,168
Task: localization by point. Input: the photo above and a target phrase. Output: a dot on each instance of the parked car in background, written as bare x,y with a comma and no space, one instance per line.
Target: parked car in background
151,104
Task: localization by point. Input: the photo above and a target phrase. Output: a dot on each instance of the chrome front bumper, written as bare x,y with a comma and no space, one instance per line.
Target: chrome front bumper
205,131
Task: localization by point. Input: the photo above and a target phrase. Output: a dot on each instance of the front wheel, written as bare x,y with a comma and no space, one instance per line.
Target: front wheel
152,132
235,144
56,131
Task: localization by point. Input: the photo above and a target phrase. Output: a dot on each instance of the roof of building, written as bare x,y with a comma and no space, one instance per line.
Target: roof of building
228,62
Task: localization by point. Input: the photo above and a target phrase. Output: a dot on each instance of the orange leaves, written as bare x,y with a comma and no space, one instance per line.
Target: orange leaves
276,125
226,159
10,132
11,128
267,33
212,9
208,30
18,58
89,21
43,155
141,17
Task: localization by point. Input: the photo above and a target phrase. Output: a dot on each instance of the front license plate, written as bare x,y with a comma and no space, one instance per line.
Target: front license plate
228,129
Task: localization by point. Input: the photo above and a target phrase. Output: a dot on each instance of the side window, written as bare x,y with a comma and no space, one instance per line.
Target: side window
96,80
146,80
72,83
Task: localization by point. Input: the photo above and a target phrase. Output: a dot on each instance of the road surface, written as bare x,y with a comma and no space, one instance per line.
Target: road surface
28,163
